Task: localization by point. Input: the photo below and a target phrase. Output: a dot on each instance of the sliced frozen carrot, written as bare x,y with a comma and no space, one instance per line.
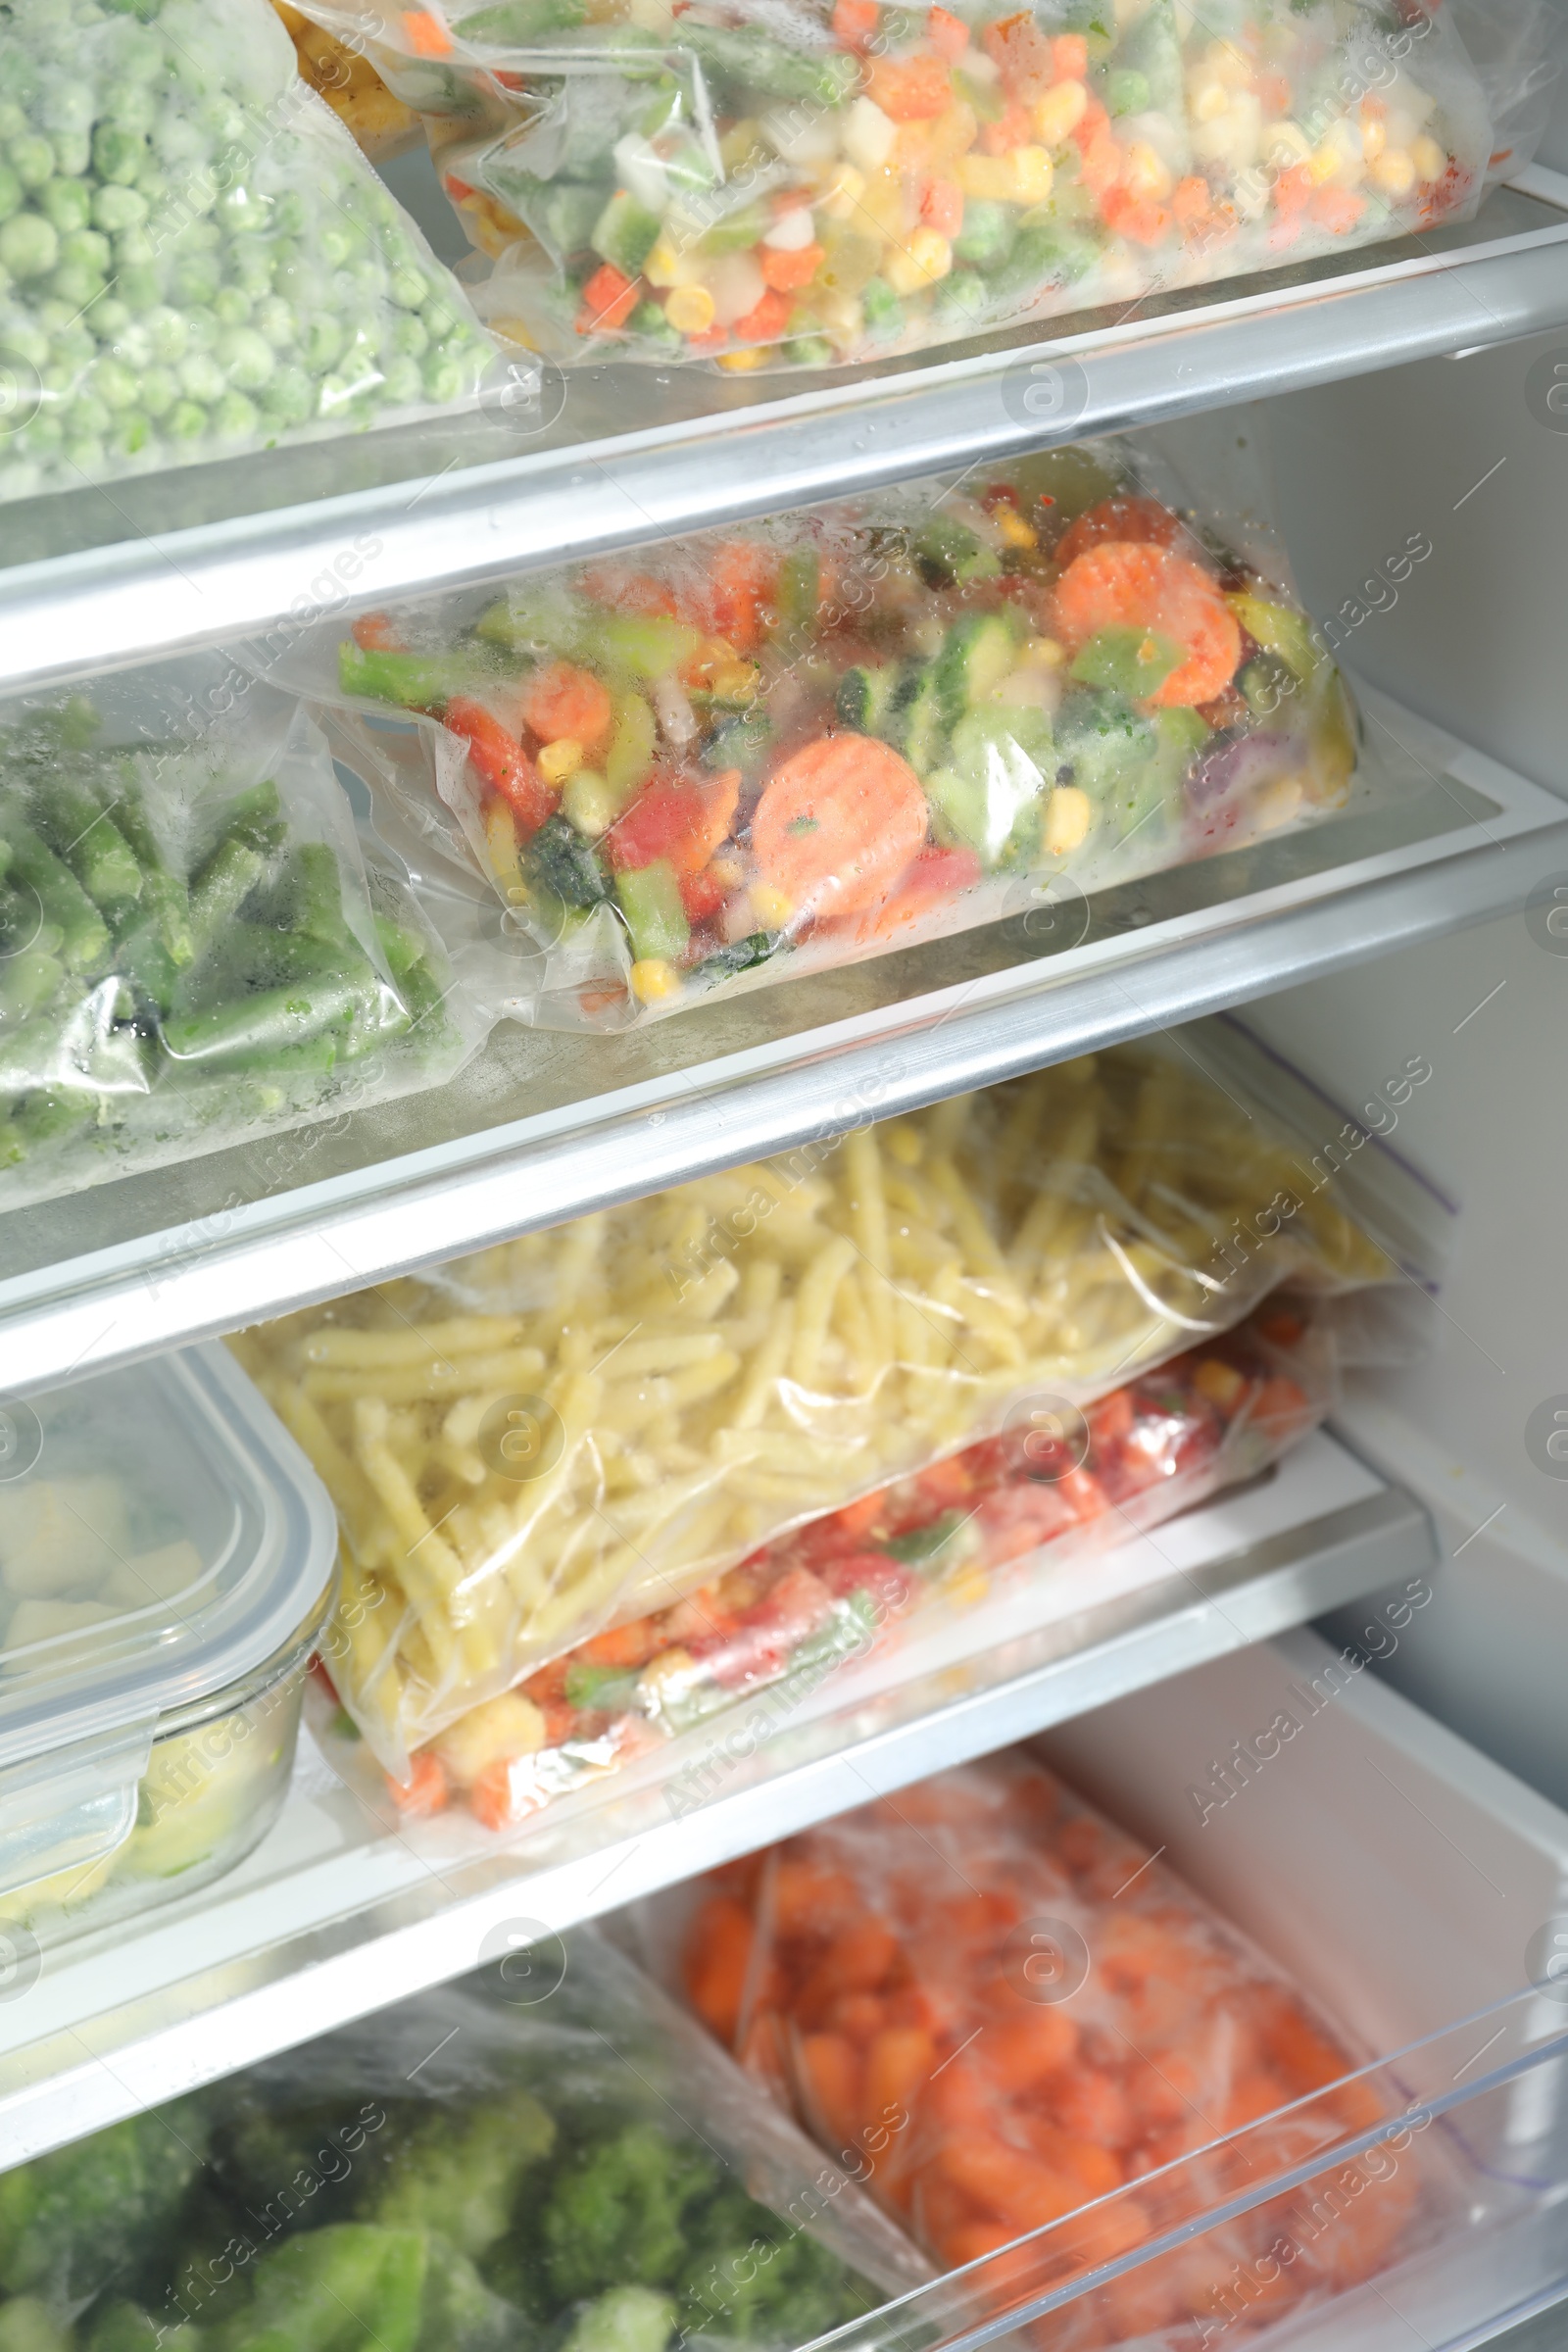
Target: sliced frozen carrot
833,2081
496,1799
809,1899
1134,520
837,825
898,2066
424,1792
718,1955
855,22
971,2241
378,633
1027,2050
733,595
1121,585
789,268
859,2015
1250,2097
1015,2187
1091,2105
915,89
561,702
857,1960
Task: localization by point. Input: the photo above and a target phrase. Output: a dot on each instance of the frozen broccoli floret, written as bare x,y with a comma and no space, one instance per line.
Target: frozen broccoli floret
28,2325
628,2319
753,2280
301,2166
344,2288
83,2218
616,2212
456,2170
459,2313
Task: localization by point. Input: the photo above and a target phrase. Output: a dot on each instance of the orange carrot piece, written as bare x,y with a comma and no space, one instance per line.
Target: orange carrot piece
837,825
718,1956
915,89
424,1792
1122,585
561,700
833,2079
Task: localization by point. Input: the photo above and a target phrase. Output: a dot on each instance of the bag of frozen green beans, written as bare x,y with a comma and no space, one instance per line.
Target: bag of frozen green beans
194,257
196,945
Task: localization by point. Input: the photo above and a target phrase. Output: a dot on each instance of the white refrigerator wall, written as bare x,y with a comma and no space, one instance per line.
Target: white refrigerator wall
1467,453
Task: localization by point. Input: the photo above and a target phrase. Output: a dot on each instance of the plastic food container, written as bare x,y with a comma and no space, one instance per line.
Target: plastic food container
167,1560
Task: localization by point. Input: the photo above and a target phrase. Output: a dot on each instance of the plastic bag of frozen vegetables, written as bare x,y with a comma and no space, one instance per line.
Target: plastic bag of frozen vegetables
196,948
194,257
547,2159
840,180
813,739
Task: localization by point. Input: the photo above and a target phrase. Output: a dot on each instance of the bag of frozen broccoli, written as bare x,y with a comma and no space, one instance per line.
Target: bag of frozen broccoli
194,257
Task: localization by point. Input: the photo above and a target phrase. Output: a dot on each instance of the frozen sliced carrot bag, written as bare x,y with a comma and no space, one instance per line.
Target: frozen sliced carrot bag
837,181
1011,2016
573,1429
812,740
1024,1509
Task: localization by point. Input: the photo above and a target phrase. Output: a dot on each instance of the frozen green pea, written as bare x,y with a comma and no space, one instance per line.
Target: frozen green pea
139,288
13,122
175,140
132,106
117,155
115,384
251,268
67,105
33,159
159,390
445,378
11,192
116,207
130,433
86,452
194,279
242,212
89,248
28,245
201,377
235,419
291,214
135,250
246,358
408,337
230,308
74,345
185,422
111,320
65,203
71,151
276,320
334,394
202,329
319,344
290,397
403,383
77,282
86,415
170,332
335,244
25,340
42,435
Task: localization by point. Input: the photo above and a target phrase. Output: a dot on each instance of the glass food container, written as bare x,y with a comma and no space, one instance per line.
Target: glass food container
166,1561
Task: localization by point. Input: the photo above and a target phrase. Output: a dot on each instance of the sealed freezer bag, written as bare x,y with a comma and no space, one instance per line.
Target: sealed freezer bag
380,125
1023,1509
194,259
195,948
827,736
577,1427
549,2155
809,185
1051,2018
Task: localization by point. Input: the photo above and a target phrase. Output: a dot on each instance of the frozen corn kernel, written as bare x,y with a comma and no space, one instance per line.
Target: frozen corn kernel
1428,157
690,310
740,362
501,841
1042,652
735,681
1207,100
869,135
1013,528
1033,172
840,193
1233,138
1278,804
1220,1383
667,265
987,177
652,980
1057,115
926,258
589,804
560,759
1374,134
490,1734
1069,814
1394,173
1146,175
771,907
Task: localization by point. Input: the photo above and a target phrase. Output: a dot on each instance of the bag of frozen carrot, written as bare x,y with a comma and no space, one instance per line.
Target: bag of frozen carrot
819,738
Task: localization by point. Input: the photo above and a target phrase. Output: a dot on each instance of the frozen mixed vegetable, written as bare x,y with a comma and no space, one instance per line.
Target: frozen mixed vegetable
840,181
578,1426
380,125
191,949
1027,1504
577,2175
828,736
1023,2018
193,257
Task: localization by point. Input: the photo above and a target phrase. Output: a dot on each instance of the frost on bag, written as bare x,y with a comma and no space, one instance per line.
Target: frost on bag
1026,2018
1024,1510
810,186
550,2154
194,258
195,950
577,1427
827,736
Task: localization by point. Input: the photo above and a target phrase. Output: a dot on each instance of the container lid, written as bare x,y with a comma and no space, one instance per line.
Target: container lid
161,1537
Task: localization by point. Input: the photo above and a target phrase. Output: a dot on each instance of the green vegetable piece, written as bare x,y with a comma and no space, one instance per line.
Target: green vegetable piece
643,646
1045,252
121,2327
799,598
915,720
62,900
457,2171
76,2219
983,798
27,981
350,2288
625,233
1126,92
920,1547
740,742
977,655
751,61
560,861
864,700
1150,56
415,681
651,901
884,312
82,831
733,2291
628,2319
949,555
222,888
987,236
737,231
1282,631
1134,663
633,740
30,245
515,23
28,2325
616,2211
601,1689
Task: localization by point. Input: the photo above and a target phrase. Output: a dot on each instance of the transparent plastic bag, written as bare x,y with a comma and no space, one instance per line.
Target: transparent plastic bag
823,737
1021,2016
194,258
577,1427
550,2154
1021,1509
196,945
380,125
807,186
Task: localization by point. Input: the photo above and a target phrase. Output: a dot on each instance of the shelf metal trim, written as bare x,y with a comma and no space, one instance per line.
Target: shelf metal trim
101,2063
